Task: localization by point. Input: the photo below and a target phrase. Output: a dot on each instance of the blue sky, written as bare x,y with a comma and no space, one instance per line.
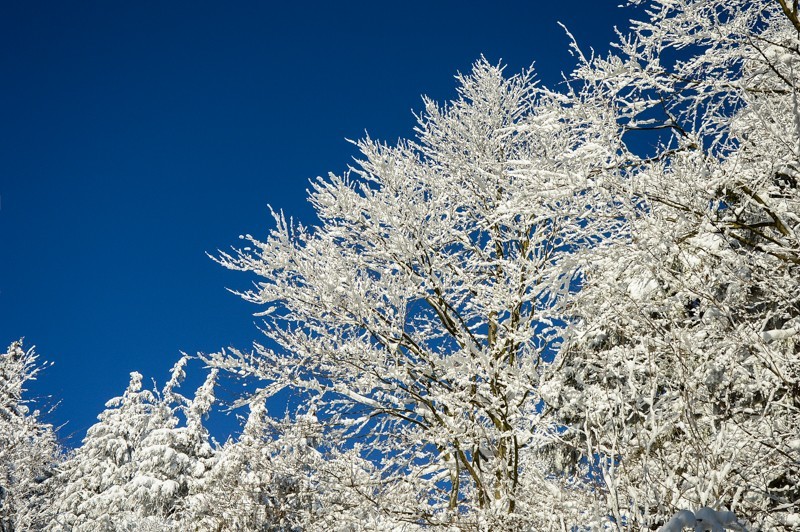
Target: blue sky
137,136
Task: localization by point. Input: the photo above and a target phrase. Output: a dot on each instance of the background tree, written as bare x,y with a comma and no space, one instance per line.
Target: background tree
282,476
28,448
138,464
90,493
173,457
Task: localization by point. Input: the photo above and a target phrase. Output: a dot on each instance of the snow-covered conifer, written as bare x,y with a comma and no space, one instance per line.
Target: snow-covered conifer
91,493
28,448
138,464
171,458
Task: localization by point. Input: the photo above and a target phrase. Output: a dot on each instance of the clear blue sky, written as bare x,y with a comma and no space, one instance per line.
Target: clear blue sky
136,136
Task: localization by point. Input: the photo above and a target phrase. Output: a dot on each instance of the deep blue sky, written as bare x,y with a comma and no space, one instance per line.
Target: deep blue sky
136,136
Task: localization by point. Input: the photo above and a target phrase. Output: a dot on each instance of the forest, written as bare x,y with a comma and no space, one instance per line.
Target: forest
550,308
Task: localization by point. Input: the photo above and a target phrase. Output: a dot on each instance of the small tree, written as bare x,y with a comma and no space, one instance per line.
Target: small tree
137,465
172,459
91,495
28,448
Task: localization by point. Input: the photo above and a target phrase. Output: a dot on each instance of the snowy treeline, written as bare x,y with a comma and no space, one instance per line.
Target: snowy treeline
148,464
557,308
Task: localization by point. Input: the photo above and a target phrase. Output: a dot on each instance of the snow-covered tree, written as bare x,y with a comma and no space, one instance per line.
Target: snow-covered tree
28,448
284,476
647,215
171,459
260,480
91,494
424,306
554,309
138,464
681,380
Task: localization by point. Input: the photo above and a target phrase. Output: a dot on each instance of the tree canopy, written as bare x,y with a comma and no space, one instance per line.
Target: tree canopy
555,308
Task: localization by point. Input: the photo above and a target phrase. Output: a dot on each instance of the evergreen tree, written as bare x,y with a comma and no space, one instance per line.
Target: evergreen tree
28,448
137,465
